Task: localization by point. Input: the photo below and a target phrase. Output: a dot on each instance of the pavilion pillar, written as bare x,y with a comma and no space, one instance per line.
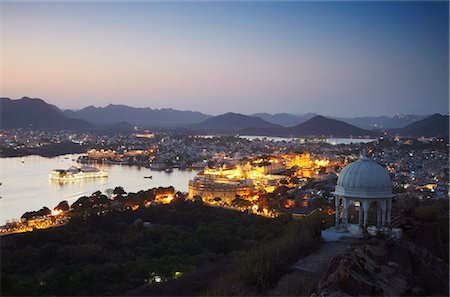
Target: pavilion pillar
383,211
345,214
389,210
360,215
337,203
379,215
366,205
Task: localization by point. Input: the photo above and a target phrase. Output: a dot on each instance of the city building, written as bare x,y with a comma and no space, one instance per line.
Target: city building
211,187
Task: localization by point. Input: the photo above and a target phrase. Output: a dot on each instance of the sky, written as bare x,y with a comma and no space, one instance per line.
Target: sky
333,58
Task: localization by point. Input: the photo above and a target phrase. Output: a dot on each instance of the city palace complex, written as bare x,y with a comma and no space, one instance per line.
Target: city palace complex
250,178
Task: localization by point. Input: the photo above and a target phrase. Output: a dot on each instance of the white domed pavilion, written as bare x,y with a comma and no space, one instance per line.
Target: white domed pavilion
364,181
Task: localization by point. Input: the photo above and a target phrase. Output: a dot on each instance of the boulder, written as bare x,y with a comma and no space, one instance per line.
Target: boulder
385,267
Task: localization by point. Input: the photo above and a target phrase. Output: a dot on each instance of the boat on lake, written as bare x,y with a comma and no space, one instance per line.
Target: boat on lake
76,173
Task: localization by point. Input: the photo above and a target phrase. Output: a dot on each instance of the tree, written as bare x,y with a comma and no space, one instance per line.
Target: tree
281,191
44,211
283,182
34,214
119,192
81,204
179,198
198,199
109,193
63,206
294,180
102,200
241,203
309,183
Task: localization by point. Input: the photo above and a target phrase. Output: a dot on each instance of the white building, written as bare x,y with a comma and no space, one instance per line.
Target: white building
363,182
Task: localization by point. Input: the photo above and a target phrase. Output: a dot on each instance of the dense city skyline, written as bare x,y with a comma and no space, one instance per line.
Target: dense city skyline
332,58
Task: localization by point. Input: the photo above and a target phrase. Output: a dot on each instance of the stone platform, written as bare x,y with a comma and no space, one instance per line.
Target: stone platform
333,234
354,231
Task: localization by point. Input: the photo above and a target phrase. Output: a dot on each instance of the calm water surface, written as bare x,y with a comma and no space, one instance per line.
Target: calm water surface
333,141
269,138
25,186
348,140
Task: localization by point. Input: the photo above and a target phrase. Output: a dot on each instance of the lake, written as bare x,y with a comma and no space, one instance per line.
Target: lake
332,141
335,141
26,186
269,138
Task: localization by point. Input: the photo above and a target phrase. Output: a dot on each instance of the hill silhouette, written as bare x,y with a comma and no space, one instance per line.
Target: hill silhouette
285,119
233,122
436,125
35,113
319,126
146,117
322,126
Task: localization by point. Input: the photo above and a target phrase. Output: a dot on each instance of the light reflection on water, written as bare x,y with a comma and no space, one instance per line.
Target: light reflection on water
333,141
26,186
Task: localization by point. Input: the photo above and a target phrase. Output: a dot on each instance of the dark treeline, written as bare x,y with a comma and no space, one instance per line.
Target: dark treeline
250,272
49,150
121,250
258,270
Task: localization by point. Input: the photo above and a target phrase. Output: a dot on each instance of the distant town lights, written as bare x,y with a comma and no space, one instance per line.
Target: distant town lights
57,212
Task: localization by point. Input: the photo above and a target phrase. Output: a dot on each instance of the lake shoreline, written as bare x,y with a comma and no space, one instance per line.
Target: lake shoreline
25,182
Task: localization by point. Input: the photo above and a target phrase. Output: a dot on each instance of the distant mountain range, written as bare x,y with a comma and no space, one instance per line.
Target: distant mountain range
380,122
145,117
318,126
436,125
36,113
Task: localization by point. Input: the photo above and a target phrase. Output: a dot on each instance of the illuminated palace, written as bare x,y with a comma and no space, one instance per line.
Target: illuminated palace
210,187
305,167
251,178
242,180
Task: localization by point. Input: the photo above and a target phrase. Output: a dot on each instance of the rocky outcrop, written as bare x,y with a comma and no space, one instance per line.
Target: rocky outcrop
422,234
385,268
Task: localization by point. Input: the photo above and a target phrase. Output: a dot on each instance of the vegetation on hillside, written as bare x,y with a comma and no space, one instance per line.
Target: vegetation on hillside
112,253
259,269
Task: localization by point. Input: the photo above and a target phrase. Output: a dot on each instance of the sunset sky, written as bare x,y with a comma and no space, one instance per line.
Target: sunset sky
332,58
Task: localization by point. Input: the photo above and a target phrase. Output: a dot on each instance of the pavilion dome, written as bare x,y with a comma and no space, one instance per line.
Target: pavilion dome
364,179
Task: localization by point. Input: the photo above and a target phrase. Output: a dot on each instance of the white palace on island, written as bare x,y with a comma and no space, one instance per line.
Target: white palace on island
363,183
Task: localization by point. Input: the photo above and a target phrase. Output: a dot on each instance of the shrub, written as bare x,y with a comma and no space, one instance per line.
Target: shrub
261,267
